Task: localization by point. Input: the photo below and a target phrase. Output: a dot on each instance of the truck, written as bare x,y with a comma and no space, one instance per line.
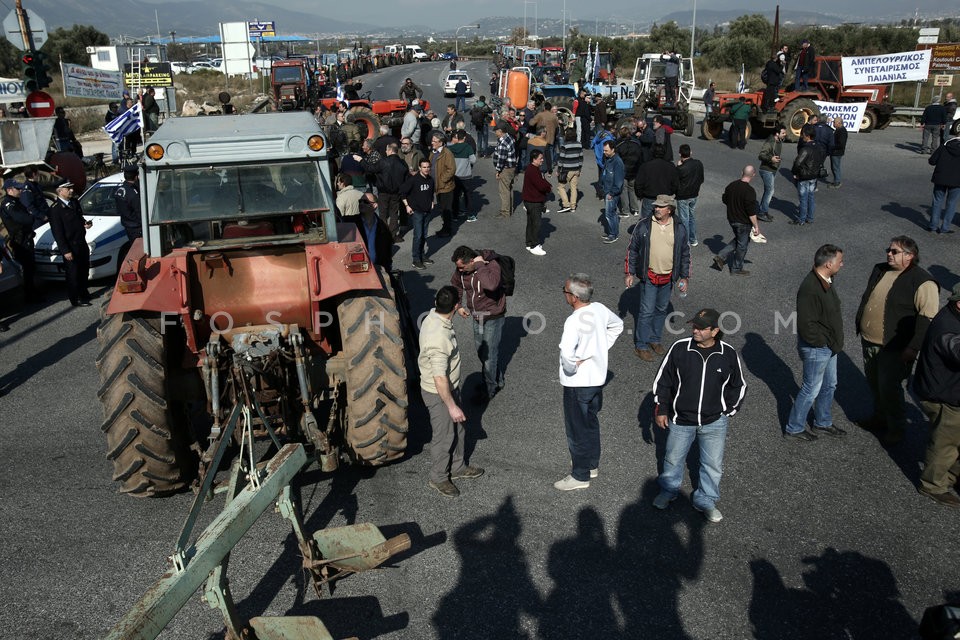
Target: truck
244,292
795,107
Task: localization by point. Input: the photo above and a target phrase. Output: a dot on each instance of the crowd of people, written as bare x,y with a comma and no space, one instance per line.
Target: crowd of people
699,385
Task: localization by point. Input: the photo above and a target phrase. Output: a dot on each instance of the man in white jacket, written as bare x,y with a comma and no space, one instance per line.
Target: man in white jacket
588,334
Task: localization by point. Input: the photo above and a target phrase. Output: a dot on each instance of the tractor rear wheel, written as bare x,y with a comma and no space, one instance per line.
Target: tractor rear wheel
149,449
367,120
796,114
711,129
869,121
376,377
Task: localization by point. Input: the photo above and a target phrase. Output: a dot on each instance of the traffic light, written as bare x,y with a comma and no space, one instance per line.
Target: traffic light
30,83
35,68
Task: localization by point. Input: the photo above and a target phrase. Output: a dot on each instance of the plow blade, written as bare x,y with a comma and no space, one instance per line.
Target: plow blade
289,628
357,547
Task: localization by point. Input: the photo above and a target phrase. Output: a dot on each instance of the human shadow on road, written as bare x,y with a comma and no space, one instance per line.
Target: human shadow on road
495,587
846,595
656,552
767,367
944,277
514,330
907,213
46,358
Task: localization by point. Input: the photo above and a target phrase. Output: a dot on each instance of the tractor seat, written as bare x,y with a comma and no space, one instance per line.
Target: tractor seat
233,230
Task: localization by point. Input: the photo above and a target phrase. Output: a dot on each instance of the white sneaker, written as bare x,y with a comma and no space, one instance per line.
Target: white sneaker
712,514
563,209
570,483
538,250
594,473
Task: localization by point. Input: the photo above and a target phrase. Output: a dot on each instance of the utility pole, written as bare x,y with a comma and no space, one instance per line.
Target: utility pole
25,26
693,30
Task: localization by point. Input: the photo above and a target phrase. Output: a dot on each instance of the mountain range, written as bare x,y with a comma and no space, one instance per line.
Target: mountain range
137,18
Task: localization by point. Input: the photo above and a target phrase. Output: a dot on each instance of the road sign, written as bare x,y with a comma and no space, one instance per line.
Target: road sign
40,104
259,29
942,81
945,56
11,30
152,74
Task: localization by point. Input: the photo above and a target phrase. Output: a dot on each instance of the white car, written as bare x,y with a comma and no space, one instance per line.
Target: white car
450,84
106,238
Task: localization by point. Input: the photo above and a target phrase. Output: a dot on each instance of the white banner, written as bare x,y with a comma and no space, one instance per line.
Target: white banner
87,82
851,112
11,90
908,66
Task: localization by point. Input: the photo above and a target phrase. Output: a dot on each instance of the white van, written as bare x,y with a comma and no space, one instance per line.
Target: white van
418,53
393,48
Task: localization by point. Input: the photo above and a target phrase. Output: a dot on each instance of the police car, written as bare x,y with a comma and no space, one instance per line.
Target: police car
450,84
106,238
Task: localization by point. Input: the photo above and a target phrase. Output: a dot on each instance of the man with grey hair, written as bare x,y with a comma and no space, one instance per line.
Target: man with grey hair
932,122
588,334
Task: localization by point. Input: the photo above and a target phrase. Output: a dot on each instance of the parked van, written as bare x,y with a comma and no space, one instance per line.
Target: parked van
418,53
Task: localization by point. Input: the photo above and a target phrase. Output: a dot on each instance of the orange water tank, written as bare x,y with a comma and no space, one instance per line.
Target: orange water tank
518,88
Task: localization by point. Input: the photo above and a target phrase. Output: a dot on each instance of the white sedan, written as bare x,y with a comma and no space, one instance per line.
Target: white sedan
450,84
106,238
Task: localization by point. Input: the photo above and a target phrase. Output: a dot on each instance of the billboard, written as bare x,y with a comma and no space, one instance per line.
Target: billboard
907,66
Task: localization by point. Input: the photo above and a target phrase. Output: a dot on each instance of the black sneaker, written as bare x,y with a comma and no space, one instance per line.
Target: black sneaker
427,262
419,266
800,436
836,432
443,233
719,262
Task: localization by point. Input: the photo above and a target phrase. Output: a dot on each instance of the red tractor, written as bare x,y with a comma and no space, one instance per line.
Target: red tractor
246,306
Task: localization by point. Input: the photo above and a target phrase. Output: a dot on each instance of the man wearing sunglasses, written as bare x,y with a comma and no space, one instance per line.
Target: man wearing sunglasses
900,301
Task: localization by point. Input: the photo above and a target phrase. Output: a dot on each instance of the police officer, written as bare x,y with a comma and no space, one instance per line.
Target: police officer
19,225
69,230
32,197
127,197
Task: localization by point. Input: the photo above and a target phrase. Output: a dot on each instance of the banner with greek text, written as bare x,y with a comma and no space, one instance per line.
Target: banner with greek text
909,66
87,82
851,112
11,90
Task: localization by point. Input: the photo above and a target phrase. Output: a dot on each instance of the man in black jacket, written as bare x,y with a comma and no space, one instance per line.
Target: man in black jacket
836,154
772,77
698,387
900,300
655,177
69,230
937,383
819,340
806,171
374,233
629,150
690,172
741,201
392,173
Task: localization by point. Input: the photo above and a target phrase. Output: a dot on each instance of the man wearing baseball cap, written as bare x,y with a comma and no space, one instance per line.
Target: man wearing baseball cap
698,387
937,384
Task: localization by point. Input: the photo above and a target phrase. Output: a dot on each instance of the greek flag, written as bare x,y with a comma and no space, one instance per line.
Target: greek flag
596,63
340,97
742,85
125,124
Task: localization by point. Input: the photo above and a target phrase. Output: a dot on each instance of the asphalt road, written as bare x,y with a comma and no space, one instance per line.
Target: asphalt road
821,540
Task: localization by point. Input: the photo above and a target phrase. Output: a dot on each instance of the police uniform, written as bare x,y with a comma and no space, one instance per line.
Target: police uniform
127,198
19,225
69,230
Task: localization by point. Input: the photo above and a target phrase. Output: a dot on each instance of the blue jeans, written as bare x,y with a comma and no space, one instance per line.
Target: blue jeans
711,438
486,338
654,300
460,104
686,210
740,243
819,383
768,177
580,408
420,221
941,195
612,204
836,168
807,204
483,139
800,81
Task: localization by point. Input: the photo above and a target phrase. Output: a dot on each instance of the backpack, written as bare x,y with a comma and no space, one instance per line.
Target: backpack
765,77
478,117
508,274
